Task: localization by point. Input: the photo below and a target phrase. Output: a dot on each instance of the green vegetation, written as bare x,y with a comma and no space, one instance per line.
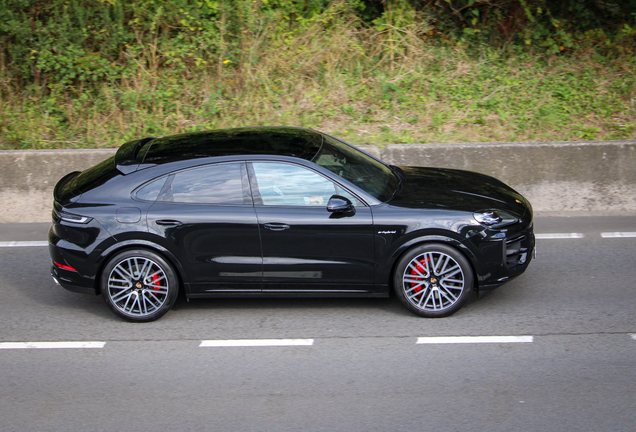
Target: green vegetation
96,73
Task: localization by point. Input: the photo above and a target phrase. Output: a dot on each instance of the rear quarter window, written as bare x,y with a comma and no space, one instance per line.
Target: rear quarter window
151,191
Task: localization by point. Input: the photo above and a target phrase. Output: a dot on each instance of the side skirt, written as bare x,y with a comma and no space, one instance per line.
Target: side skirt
288,294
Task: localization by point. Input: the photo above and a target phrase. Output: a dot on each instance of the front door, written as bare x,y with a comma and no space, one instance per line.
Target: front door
305,247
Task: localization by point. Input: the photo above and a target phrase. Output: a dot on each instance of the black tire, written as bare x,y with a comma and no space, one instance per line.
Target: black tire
139,285
433,280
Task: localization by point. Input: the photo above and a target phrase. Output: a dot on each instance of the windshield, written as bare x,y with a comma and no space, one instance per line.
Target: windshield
368,174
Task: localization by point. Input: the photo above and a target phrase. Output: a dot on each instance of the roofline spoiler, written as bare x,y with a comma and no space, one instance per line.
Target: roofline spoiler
126,160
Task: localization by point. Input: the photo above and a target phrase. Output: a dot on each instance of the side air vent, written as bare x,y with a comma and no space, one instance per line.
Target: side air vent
516,253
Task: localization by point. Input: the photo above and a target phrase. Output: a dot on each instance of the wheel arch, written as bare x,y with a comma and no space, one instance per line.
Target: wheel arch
431,239
116,248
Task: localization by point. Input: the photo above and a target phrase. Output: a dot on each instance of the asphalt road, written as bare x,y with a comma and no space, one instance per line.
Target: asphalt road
360,368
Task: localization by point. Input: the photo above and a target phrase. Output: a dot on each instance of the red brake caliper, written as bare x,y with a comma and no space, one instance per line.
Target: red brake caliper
155,282
421,266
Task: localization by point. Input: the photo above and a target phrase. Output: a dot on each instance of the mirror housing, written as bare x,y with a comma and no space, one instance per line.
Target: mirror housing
339,205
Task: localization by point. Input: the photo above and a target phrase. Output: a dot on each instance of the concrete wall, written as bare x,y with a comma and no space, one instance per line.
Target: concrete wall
27,178
568,178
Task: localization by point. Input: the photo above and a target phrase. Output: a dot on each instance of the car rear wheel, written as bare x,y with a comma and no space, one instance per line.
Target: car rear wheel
433,280
139,285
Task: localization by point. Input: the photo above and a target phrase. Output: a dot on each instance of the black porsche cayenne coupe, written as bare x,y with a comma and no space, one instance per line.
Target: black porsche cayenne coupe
281,211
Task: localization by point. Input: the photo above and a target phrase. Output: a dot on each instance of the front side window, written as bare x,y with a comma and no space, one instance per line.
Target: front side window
211,184
281,184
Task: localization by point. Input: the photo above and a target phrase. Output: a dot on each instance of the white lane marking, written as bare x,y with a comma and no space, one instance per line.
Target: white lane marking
554,236
50,345
23,243
256,342
634,336
474,339
618,234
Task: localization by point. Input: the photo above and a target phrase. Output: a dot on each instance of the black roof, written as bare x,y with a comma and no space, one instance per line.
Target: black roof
283,141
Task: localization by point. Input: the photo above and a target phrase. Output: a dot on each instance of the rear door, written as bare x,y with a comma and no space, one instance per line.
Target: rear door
206,215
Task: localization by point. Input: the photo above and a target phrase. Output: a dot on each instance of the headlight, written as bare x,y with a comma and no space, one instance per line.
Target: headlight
495,218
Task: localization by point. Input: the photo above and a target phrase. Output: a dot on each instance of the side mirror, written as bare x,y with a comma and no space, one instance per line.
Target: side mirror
339,205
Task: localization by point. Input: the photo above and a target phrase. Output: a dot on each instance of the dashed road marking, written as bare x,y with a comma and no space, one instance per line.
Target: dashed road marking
428,340
50,345
255,342
23,243
618,234
555,236
474,339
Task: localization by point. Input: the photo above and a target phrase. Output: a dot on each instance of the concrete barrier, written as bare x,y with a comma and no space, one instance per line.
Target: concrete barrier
27,178
567,178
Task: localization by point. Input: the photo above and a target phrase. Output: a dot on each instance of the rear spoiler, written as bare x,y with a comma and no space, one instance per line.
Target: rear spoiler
127,158
65,190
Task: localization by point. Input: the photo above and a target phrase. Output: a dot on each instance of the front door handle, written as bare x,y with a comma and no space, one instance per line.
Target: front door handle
276,226
169,222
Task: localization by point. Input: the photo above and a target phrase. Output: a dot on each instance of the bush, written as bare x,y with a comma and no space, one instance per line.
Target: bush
97,73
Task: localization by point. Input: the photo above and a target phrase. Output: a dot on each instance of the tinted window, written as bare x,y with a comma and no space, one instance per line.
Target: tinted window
212,184
150,192
285,184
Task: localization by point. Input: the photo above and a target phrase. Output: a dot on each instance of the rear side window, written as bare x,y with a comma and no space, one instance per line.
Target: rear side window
150,192
211,184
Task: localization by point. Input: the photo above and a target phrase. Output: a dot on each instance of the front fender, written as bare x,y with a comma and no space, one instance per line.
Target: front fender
387,276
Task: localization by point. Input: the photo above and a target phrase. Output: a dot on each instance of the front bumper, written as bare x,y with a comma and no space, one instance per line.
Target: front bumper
505,255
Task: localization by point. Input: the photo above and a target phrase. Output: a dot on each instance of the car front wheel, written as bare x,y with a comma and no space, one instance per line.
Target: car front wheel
433,280
139,285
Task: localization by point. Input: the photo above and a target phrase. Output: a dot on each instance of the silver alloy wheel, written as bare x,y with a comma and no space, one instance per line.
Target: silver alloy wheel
138,286
433,281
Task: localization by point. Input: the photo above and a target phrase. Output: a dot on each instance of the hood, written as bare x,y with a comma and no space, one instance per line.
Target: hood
442,188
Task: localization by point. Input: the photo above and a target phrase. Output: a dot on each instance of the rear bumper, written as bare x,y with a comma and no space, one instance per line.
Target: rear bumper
71,267
65,271
66,281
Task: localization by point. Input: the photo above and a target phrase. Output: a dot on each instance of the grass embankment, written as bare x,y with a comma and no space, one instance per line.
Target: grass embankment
386,84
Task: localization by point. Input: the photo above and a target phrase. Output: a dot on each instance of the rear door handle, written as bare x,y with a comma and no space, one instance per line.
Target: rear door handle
276,226
169,222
